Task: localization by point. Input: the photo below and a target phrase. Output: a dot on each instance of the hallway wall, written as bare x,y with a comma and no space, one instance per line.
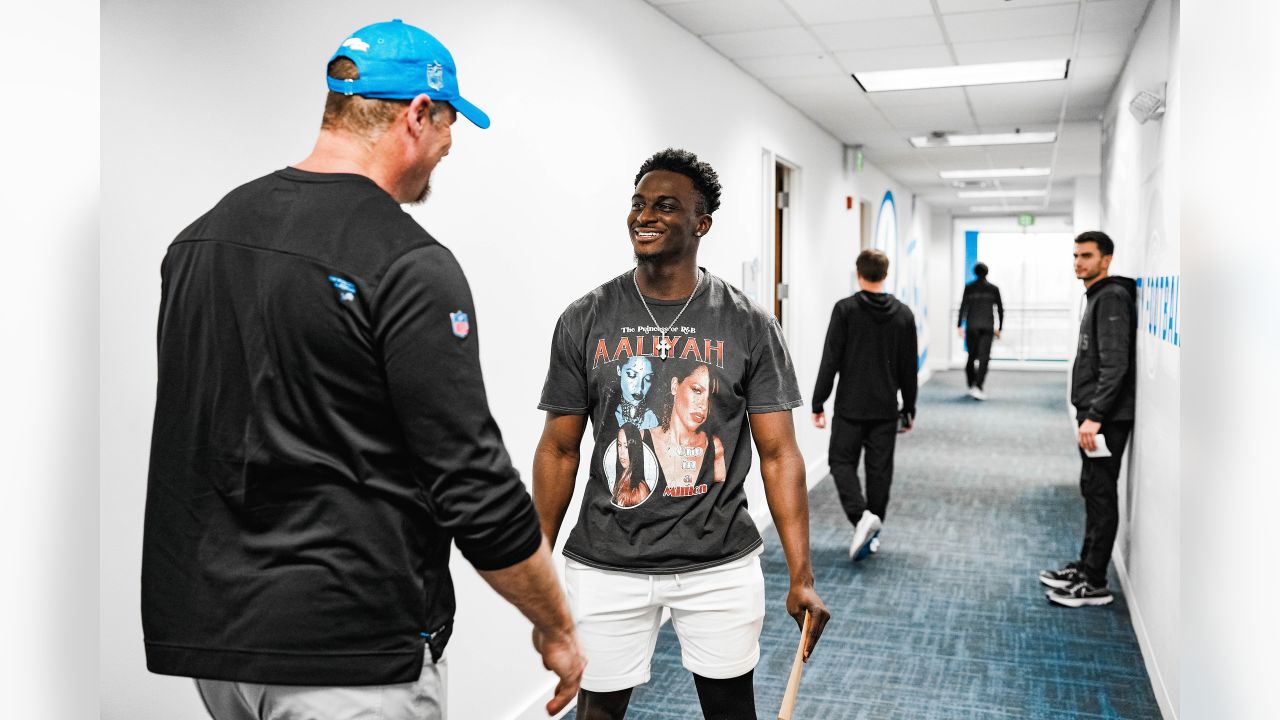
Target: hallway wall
1140,200
198,99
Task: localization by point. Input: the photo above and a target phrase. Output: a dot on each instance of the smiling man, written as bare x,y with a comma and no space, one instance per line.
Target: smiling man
721,377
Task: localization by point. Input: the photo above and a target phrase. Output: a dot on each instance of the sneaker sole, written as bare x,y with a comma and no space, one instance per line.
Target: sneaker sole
1075,602
1055,584
864,550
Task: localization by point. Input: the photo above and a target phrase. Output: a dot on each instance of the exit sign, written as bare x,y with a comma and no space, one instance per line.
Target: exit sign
1026,219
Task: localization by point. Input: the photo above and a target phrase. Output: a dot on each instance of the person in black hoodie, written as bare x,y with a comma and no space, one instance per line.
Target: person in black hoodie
1102,391
978,307
871,343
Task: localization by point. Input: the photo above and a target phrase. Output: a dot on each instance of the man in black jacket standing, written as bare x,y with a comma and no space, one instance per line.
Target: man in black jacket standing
322,435
978,308
1102,391
871,343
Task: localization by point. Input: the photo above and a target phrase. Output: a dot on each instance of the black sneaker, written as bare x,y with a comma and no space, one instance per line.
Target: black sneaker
1062,579
1081,594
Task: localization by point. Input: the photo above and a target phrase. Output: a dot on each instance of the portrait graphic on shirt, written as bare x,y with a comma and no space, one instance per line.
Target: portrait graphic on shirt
635,378
689,452
630,468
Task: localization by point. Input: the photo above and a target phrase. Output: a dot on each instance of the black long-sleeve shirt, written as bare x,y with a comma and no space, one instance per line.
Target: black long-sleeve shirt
871,343
321,436
979,305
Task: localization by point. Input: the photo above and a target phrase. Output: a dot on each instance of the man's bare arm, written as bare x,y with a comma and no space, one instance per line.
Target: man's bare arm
532,586
555,468
782,467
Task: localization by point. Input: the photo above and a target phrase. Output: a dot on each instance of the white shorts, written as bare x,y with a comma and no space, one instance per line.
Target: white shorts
717,614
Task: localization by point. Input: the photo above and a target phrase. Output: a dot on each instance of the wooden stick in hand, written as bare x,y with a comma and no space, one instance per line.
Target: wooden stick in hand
797,667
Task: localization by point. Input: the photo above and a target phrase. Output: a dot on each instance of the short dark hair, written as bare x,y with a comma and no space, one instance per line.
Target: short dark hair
873,265
362,115
981,270
1099,238
705,180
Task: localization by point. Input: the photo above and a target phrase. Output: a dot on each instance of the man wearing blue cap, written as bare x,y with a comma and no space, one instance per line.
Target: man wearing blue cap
321,430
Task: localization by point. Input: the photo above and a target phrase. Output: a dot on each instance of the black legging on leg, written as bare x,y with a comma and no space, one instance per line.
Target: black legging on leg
979,342
730,699
603,705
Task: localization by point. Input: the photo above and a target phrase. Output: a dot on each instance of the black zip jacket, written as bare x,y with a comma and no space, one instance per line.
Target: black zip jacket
979,305
1103,376
321,437
871,343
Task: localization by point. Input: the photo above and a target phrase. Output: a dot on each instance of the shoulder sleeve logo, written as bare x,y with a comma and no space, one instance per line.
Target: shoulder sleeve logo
356,43
346,289
461,323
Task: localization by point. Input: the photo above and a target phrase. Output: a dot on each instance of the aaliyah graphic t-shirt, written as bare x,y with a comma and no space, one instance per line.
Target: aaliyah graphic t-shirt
672,443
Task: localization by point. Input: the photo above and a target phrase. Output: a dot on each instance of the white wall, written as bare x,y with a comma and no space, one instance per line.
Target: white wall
199,98
1139,211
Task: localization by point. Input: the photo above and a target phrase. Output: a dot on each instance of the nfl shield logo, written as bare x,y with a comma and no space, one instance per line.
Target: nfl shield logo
435,76
461,323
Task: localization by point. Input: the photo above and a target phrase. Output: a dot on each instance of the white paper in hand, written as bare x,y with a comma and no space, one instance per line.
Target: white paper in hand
1101,451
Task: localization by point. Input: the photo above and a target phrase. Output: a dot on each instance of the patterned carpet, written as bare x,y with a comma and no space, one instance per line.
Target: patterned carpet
948,621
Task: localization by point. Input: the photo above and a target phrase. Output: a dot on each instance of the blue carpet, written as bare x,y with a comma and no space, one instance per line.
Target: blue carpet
948,621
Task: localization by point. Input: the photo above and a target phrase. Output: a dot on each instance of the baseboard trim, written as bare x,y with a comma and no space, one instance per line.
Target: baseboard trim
1168,708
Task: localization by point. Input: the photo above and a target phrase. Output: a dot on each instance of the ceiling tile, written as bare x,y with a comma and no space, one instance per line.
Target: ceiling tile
758,43
828,84
1092,67
1019,94
728,16
1000,51
935,117
894,58
875,34
838,11
1012,24
791,66
958,6
1104,43
1114,15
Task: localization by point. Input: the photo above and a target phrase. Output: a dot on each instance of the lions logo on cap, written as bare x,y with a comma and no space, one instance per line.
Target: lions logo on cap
356,43
435,76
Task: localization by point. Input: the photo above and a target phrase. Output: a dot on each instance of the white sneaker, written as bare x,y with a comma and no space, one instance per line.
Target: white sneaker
973,393
863,533
978,394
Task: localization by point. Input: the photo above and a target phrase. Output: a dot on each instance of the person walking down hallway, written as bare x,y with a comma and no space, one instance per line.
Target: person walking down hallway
871,344
1102,391
979,307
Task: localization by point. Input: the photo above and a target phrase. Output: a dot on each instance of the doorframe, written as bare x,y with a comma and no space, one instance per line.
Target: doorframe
769,243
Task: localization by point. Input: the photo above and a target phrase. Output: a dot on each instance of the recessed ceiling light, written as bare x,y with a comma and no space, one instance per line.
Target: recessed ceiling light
998,173
1001,193
962,75
1004,208
1013,138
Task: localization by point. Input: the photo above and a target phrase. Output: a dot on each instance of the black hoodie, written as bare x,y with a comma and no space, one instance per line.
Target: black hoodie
1102,378
871,343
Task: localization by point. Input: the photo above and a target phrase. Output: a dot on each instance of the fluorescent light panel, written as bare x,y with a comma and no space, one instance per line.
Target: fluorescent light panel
1004,208
999,173
1026,138
1001,193
962,75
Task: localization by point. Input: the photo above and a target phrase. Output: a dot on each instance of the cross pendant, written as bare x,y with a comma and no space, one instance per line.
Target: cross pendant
663,347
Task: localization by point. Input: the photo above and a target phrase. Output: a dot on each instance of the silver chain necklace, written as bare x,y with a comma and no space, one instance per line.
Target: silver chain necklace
664,348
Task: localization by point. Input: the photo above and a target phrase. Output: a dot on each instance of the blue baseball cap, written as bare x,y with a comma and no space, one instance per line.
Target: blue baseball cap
398,61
